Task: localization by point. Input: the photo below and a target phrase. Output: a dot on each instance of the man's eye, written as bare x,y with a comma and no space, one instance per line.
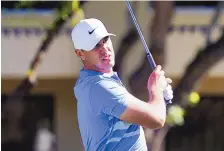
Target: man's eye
97,45
106,39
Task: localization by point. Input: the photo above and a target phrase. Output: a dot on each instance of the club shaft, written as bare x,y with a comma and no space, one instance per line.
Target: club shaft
148,54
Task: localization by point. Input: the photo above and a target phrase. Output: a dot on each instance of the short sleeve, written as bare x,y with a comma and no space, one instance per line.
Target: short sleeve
109,97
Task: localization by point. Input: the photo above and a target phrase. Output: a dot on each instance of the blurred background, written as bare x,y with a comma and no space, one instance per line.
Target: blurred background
39,69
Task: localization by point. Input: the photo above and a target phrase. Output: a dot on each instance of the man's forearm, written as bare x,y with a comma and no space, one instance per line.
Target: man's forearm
158,104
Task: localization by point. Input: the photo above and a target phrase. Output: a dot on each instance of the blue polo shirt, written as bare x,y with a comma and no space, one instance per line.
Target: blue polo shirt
101,99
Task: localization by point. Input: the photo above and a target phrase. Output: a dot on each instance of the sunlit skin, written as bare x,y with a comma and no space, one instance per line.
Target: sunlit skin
101,58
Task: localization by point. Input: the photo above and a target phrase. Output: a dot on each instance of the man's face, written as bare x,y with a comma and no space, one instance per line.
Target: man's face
101,58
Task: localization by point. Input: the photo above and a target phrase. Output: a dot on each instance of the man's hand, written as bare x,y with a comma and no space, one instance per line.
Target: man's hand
159,85
157,82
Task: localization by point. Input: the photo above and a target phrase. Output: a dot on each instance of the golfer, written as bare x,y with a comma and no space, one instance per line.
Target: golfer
109,117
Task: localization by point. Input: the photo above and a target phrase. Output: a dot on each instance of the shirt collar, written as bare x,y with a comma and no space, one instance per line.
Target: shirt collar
85,73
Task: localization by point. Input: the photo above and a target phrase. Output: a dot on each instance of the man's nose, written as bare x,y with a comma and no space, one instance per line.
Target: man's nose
105,49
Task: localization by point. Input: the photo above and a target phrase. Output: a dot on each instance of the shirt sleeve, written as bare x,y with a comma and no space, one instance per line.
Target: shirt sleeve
107,96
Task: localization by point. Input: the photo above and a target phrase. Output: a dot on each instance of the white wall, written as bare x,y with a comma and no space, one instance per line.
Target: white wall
17,52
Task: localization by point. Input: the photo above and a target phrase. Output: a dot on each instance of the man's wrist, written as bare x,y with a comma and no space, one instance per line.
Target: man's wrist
155,96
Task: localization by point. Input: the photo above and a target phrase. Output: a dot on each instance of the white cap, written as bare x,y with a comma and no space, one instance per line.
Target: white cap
87,33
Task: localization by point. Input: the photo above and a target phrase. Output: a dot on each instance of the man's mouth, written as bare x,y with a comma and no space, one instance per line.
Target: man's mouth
106,58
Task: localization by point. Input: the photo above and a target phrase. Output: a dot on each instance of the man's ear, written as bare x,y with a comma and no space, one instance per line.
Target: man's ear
80,54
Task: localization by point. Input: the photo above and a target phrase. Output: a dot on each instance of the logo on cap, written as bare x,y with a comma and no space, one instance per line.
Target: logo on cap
90,32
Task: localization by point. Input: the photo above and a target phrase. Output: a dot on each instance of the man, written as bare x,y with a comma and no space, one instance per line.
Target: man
109,117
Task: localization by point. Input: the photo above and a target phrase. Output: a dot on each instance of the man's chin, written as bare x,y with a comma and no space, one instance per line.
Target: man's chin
109,64
106,65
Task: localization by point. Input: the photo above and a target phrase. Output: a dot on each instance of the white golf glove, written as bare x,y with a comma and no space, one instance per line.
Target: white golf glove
168,92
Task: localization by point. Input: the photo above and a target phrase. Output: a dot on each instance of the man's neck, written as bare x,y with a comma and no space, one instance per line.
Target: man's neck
109,71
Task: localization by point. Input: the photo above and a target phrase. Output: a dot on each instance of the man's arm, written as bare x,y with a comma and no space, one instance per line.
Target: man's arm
152,114
149,115
107,97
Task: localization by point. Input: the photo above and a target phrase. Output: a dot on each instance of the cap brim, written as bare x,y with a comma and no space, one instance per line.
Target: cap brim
110,34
